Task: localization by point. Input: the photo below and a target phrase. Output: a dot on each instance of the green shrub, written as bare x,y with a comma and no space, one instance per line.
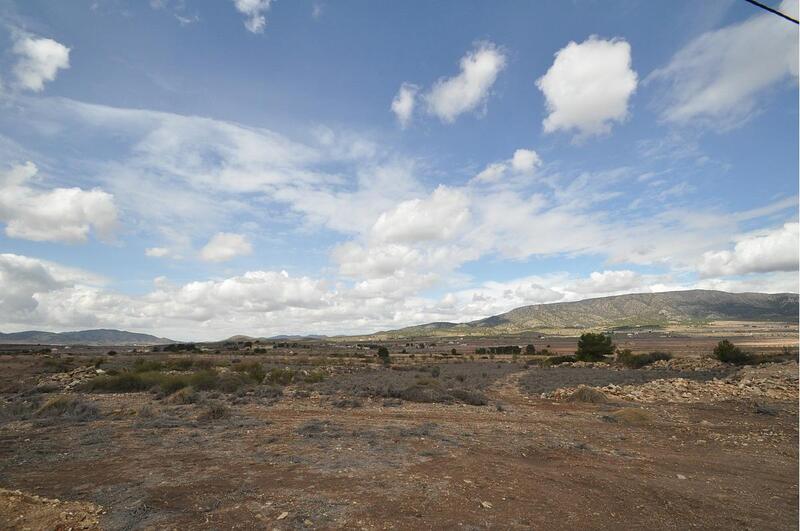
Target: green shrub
254,370
637,361
145,365
180,364
594,347
314,377
280,376
383,354
727,352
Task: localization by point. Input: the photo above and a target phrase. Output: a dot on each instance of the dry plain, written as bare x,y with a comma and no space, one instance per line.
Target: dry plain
320,434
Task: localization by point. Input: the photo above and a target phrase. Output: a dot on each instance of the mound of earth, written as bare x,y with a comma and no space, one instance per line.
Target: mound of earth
19,510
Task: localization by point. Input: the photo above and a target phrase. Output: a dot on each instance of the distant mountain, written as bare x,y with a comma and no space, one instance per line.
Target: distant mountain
244,339
83,337
637,309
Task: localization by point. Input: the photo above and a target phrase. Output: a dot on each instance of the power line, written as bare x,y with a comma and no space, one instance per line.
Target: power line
773,11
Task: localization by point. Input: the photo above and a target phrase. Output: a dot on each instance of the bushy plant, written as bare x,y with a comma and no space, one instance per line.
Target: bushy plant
383,354
727,352
637,361
594,347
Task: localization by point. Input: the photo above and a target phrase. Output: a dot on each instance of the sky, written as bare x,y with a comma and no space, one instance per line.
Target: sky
199,169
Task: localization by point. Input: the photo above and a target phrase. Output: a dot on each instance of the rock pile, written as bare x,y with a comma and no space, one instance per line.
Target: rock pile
778,381
68,381
687,364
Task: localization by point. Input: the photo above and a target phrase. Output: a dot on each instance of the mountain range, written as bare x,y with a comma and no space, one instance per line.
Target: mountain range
82,337
632,310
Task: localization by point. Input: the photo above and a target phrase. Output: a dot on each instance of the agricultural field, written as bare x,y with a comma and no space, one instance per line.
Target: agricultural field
321,434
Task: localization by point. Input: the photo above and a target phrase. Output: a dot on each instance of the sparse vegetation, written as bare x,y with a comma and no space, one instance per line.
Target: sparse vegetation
637,361
67,407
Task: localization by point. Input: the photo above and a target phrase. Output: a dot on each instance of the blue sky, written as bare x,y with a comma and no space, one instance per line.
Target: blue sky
197,169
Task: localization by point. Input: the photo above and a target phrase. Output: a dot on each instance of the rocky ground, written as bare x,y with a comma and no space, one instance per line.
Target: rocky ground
689,444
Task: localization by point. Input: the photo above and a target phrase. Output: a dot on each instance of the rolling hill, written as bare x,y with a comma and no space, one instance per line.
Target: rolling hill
637,309
82,337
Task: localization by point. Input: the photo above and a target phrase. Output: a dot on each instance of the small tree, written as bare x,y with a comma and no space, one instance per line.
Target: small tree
453,352
383,354
594,347
727,352
530,350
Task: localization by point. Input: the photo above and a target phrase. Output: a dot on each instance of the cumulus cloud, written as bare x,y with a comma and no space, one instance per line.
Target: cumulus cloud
225,246
524,163
470,89
719,76
254,10
58,214
404,102
39,61
435,218
761,252
588,86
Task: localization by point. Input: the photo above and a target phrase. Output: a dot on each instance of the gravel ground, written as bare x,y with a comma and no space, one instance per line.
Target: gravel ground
545,380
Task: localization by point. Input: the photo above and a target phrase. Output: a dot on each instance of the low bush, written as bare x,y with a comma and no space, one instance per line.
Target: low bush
68,408
727,352
131,382
314,377
146,365
253,369
214,411
280,376
637,361
472,398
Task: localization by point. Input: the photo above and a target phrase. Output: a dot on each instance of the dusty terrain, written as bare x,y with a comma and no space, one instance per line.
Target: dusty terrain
434,442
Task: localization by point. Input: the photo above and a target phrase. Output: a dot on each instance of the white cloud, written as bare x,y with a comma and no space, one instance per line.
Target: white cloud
760,252
404,102
58,214
39,61
719,75
588,86
438,217
156,252
225,246
469,90
523,163
254,10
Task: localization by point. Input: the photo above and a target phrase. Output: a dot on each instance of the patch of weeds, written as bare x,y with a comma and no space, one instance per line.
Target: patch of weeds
214,411
280,376
320,429
147,365
186,395
268,391
67,407
253,369
179,364
472,398
57,365
727,352
347,403
637,361
314,377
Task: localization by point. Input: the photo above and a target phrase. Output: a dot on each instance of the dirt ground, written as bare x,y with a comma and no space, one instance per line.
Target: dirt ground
346,453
